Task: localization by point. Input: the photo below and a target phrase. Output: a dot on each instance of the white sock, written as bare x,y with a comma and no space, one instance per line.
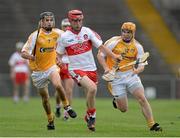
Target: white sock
16,99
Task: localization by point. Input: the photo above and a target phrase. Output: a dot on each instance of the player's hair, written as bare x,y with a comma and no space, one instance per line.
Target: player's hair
75,14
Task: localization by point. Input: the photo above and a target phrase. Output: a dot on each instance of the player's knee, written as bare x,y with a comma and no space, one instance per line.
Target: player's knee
90,86
45,99
69,91
58,86
123,109
92,90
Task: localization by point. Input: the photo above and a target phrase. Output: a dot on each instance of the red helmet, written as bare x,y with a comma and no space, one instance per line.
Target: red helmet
75,14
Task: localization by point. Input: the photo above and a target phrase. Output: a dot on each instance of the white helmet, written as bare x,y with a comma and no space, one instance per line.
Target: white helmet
65,23
19,45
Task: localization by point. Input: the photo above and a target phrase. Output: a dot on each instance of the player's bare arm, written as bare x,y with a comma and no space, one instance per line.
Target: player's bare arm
27,56
102,61
106,50
59,59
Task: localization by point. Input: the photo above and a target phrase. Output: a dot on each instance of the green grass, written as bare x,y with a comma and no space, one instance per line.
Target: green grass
28,119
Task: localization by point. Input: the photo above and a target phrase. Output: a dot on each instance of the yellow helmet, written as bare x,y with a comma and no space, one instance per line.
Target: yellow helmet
129,26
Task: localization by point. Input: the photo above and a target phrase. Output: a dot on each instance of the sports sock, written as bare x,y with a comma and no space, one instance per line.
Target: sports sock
50,117
16,99
58,106
91,112
65,103
66,113
150,122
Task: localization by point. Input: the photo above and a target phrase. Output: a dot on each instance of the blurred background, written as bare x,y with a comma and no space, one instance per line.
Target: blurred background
158,27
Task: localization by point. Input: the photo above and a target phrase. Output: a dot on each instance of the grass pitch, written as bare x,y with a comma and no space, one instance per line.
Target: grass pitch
29,120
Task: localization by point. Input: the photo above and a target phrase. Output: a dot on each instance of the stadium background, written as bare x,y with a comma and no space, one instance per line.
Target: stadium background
158,26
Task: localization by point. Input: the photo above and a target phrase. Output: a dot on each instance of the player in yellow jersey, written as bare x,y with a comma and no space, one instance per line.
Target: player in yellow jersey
40,51
127,78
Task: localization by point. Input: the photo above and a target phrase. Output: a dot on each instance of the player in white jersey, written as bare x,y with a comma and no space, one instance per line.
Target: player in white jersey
127,78
19,73
68,82
77,42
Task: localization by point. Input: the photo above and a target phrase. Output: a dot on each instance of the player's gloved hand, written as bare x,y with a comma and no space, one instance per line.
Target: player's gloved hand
138,70
108,75
117,57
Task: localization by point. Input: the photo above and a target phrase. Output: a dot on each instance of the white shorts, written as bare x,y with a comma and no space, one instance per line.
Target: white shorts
41,78
125,82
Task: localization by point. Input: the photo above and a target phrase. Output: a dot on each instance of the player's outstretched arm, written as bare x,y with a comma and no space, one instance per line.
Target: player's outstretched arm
102,62
108,52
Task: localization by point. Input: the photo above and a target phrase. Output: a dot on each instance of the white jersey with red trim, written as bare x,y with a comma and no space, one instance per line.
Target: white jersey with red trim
18,63
78,47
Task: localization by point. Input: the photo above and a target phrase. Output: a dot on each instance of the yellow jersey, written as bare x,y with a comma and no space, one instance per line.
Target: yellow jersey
130,52
45,49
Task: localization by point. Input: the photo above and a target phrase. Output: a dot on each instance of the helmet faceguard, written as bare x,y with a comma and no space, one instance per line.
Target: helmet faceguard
75,14
45,15
128,31
65,23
